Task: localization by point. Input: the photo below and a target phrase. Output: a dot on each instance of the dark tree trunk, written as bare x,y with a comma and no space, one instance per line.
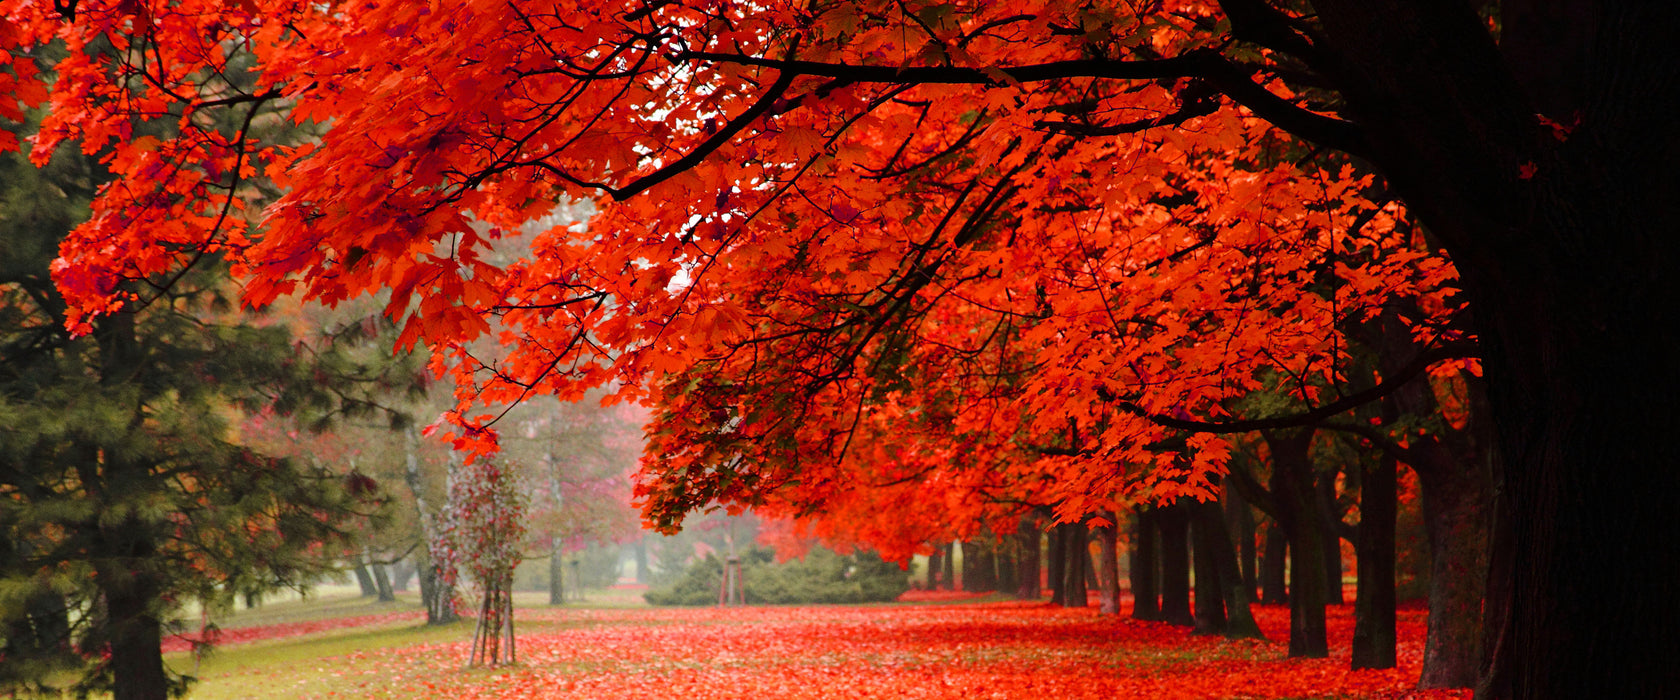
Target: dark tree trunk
1108,564
1298,513
382,583
1208,527
1058,566
131,594
1564,240
1146,601
136,645
1007,557
987,565
1456,518
1174,524
1374,600
1076,565
1028,538
971,577
936,564
948,568
1273,589
365,579
979,567
1092,583
1325,486
1239,518
1239,618
1455,475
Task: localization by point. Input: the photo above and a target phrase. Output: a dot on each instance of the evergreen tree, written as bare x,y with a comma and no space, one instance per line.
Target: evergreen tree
123,492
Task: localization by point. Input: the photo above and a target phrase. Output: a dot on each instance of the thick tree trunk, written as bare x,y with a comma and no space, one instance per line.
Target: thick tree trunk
1297,512
1174,524
971,576
1274,589
364,579
1077,559
1057,555
1108,567
979,567
948,568
1146,601
1564,239
935,564
1007,563
136,646
1373,607
1239,519
1456,510
1208,527
131,596
1028,586
382,583
1239,622
1325,490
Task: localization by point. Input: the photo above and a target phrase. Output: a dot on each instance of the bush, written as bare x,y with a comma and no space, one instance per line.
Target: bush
822,577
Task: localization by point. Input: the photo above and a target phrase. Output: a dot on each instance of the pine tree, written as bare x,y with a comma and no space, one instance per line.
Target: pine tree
123,492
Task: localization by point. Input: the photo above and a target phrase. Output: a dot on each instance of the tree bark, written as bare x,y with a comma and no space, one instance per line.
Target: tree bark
130,594
365,579
1028,537
1207,527
948,568
382,583
1108,566
1239,618
1006,561
1456,519
1325,487
1297,512
1174,523
1057,555
1274,589
1564,242
1374,599
1239,518
936,563
1146,601
979,568
1076,563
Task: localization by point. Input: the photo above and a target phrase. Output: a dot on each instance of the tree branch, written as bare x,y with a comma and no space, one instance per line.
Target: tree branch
1315,416
1208,64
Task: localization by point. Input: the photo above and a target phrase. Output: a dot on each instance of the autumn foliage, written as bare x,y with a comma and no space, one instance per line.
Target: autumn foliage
939,261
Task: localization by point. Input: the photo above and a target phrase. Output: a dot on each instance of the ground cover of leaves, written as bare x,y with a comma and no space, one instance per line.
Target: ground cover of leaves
964,650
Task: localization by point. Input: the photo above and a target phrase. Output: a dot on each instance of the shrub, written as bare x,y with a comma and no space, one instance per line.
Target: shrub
821,577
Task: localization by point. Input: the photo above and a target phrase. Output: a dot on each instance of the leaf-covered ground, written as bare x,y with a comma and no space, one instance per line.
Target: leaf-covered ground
962,650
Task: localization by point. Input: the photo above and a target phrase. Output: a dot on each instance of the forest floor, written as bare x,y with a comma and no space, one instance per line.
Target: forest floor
934,646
